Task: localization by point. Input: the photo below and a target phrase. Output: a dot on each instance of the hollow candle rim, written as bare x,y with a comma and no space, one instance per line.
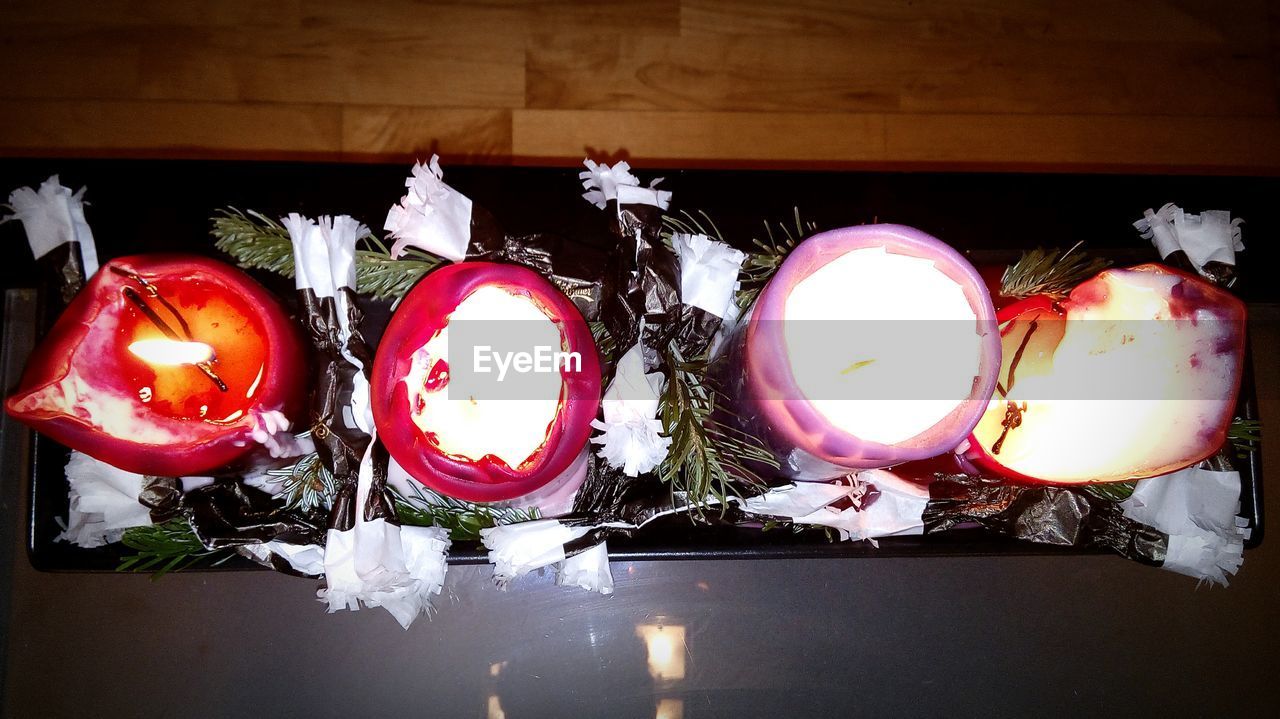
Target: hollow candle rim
776,393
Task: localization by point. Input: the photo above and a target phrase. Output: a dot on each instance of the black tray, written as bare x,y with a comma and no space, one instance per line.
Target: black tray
156,205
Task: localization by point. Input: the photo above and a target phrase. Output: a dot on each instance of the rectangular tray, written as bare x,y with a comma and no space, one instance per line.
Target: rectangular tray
148,206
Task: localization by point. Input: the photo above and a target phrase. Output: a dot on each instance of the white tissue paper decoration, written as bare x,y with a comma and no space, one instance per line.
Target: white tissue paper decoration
305,559
651,195
708,272
603,183
631,438
340,236
1211,236
104,502
587,570
432,216
53,216
520,548
383,565
310,255
324,262
1198,509
897,510
374,563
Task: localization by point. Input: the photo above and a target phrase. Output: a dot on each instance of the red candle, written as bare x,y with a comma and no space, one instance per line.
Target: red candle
489,447
161,365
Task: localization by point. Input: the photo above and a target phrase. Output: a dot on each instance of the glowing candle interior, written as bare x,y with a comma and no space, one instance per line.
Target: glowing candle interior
474,427
462,394
1135,376
870,346
885,315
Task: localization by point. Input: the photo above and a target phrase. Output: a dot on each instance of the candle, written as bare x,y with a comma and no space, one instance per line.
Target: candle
485,384
1134,375
163,366
871,346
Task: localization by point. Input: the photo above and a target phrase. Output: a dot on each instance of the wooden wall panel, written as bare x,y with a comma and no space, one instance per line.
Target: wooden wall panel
1154,84
829,74
185,129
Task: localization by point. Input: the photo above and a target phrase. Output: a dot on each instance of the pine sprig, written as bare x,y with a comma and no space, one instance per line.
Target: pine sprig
254,240
764,261
307,485
384,276
463,520
1245,434
690,224
605,344
1111,491
259,242
708,460
168,547
1049,272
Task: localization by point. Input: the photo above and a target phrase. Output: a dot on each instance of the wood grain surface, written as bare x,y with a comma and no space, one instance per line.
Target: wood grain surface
1147,85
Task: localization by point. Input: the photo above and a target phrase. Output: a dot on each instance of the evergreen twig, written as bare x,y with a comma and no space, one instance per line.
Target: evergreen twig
259,242
764,261
1245,434
1111,491
708,460
463,520
306,485
1049,272
168,547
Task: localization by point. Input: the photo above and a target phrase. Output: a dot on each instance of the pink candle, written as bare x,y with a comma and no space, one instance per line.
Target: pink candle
871,346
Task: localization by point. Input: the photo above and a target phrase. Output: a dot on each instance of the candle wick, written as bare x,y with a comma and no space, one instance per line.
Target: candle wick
153,291
137,300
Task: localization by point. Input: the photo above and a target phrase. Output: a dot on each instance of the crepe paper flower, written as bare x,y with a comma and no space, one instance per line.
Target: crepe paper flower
53,216
380,564
601,182
104,502
631,437
517,549
587,570
708,272
1198,509
1211,236
432,216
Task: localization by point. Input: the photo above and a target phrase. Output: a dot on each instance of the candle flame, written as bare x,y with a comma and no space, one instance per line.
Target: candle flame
171,352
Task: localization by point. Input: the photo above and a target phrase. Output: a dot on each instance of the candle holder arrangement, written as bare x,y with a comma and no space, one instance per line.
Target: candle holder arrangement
530,397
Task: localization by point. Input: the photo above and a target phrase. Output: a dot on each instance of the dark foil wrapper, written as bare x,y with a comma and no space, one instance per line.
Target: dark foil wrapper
1060,516
227,513
340,447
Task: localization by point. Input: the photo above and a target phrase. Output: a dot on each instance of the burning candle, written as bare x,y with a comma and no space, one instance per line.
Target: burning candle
1134,375
485,384
163,366
871,346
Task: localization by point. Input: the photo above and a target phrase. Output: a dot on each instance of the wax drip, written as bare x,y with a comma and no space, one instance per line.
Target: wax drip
1012,412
